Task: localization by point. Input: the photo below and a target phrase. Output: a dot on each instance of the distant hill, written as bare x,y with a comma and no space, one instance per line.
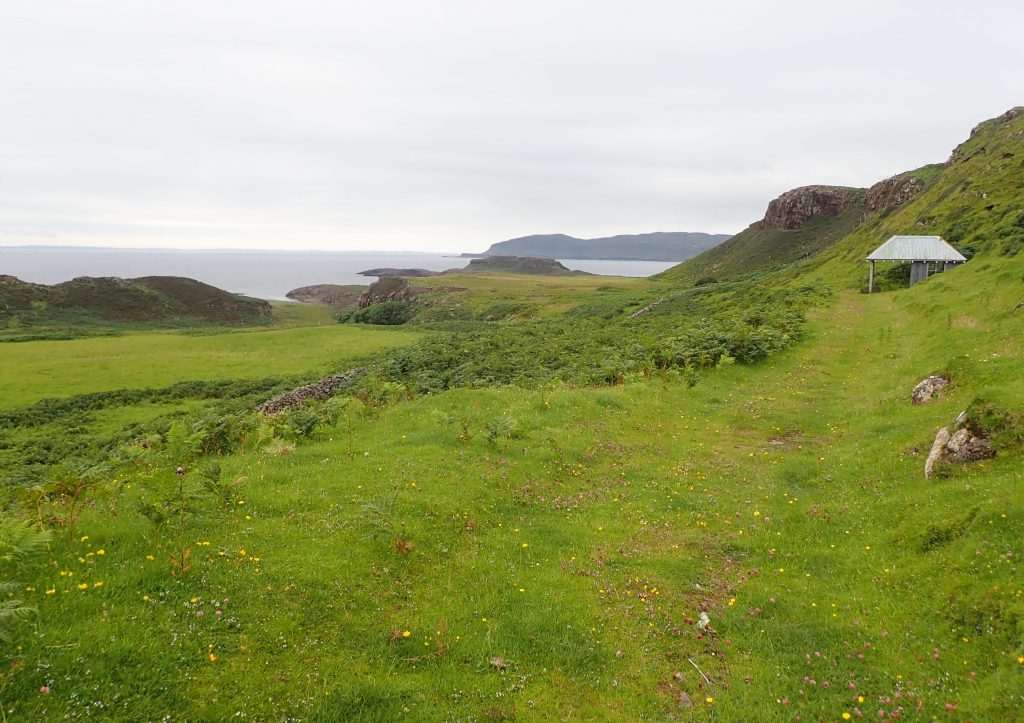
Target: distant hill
975,200
660,246
160,300
544,266
517,265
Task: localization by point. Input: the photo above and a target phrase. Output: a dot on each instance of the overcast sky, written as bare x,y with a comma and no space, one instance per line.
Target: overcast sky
448,125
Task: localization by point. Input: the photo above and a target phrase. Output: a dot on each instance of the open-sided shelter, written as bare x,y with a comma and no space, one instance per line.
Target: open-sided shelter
921,251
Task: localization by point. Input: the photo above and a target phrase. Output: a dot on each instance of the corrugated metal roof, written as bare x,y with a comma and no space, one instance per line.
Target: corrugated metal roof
916,248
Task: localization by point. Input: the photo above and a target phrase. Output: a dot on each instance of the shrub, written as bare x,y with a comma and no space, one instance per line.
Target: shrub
386,313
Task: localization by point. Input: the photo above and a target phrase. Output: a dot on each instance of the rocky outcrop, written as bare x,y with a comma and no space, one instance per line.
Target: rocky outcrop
893,192
794,208
329,294
927,388
963,151
319,390
965,443
386,288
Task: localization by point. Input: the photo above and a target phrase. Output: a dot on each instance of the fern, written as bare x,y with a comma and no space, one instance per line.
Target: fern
20,542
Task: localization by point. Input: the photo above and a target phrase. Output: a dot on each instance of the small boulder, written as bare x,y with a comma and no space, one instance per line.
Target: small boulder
964,447
938,446
927,388
965,444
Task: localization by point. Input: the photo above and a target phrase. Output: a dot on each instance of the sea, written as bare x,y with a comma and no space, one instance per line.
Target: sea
262,274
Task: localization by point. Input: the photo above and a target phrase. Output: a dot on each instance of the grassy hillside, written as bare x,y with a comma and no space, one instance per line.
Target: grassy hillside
760,248
105,302
975,201
503,296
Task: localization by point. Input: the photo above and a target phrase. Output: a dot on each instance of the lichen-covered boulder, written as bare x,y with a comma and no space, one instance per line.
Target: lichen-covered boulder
966,443
927,388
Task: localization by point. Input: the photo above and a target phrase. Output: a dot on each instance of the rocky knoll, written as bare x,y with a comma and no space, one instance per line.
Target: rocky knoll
964,151
330,294
386,288
794,208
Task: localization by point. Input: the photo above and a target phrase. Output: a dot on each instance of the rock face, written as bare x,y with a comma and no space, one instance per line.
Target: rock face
386,288
794,208
965,444
319,390
927,388
892,192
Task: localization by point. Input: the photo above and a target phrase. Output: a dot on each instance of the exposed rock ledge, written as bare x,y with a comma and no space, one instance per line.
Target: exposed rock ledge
794,208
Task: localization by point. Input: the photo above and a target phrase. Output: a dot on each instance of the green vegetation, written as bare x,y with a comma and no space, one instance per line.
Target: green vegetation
32,370
621,500
760,248
35,311
500,297
386,313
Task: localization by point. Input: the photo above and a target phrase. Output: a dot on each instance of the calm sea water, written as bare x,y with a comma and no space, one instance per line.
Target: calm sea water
263,274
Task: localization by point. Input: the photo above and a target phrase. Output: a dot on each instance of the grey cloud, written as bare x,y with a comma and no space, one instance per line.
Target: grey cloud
445,125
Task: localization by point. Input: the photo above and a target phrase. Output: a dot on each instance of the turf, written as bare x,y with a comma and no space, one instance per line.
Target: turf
34,370
510,553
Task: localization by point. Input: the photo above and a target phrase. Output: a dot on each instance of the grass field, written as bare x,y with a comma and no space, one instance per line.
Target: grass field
38,369
498,554
497,296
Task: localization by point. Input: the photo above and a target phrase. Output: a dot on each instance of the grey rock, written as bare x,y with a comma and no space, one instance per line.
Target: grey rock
319,390
960,447
941,437
927,388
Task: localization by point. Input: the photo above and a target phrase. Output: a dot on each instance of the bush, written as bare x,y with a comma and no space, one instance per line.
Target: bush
386,313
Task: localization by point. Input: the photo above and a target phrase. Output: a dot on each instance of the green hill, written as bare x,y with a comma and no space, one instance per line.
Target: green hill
973,200
111,301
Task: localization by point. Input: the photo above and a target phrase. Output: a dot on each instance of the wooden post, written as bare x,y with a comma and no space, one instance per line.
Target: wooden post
871,276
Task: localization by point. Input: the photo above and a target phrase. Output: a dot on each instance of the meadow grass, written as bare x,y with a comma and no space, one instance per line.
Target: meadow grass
34,370
496,295
505,553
